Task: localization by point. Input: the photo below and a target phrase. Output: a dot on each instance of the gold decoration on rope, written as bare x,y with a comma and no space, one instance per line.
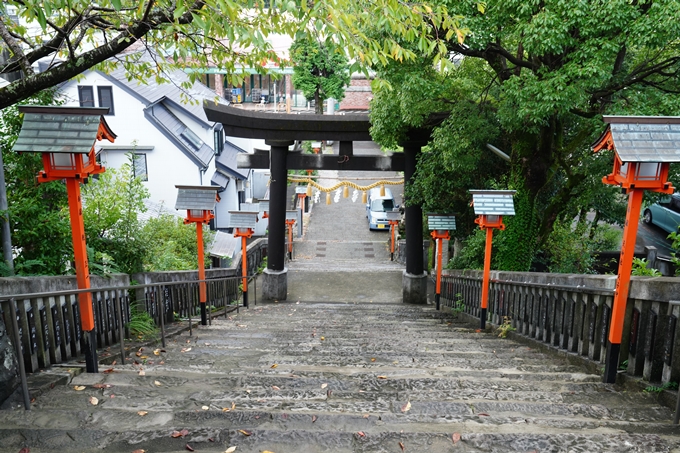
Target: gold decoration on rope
346,184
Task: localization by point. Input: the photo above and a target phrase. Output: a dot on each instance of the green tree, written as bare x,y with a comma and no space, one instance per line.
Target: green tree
549,70
112,203
172,244
321,70
73,36
38,213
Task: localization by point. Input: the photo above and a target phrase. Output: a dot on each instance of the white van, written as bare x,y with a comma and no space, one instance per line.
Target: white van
377,206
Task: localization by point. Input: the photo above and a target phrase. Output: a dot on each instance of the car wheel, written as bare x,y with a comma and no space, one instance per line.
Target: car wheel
647,218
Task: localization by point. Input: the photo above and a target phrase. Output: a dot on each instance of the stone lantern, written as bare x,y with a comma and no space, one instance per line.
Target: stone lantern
199,202
644,147
490,207
65,136
440,225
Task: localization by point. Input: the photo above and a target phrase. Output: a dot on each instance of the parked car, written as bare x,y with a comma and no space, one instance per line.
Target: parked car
665,214
376,207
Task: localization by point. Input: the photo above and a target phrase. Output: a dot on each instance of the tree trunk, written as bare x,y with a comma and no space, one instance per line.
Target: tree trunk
9,380
318,103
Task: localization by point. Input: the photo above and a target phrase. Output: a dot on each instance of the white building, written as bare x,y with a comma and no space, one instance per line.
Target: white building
165,128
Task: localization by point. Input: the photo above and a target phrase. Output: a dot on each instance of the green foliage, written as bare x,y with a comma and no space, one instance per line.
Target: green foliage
505,328
640,269
458,305
172,244
320,70
658,389
38,213
111,205
142,325
472,254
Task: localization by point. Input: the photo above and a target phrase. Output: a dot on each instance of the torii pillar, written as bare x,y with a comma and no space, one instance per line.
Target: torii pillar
275,284
414,280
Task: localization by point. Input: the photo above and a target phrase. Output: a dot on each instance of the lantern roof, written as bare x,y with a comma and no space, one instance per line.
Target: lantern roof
493,202
196,197
291,215
50,129
242,219
393,215
441,222
642,138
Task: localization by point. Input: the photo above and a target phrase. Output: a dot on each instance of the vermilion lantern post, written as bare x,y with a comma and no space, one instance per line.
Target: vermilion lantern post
393,217
644,147
291,218
440,224
65,136
243,223
199,201
490,207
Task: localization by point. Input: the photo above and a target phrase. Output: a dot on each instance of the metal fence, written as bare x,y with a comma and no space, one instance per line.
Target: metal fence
576,318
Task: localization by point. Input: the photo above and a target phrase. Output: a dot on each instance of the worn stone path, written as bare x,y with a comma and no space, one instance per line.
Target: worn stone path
342,366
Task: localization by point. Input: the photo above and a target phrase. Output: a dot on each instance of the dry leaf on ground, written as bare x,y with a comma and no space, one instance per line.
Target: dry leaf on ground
157,383
274,366
93,400
230,450
245,433
136,451
102,386
205,408
372,359
142,373
361,434
455,437
323,386
78,388
275,387
189,447
142,413
382,377
406,407
313,418
401,444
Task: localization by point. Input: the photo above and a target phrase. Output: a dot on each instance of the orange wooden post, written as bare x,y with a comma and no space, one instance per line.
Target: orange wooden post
289,224
244,263
484,304
622,283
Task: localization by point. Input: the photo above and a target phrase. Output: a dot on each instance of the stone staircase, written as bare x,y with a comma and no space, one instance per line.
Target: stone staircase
340,377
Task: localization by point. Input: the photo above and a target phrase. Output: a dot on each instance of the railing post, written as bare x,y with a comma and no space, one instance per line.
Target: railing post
20,358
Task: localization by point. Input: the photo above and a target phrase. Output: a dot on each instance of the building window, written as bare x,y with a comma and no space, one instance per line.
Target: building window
86,96
106,98
219,141
192,138
139,167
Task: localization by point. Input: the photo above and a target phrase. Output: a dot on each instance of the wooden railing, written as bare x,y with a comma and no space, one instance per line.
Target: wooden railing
575,318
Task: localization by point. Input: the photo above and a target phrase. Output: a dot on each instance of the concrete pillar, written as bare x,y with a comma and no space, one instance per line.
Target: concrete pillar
275,284
415,278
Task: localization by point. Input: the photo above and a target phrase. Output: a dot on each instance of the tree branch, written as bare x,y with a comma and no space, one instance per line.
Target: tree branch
15,48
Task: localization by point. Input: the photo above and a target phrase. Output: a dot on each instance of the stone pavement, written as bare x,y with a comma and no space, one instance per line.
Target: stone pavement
343,368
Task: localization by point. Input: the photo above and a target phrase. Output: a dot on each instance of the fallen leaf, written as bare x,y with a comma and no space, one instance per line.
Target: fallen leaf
142,373
313,418
210,439
93,400
188,447
233,405
102,386
401,444
366,415
225,409
245,433
455,437
230,450
176,434
483,414
78,388
142,413
144,357
267,451
274,366
275,387
323,386
112,396
28,450
157,352
323,338
382,377
108,370
361,434
478,330
205,408
406,407
185,350
372,359
157,383
136,451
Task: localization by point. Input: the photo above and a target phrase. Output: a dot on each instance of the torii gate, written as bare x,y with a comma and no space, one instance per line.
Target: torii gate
279,131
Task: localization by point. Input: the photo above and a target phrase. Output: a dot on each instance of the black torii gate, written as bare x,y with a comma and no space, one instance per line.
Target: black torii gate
279,131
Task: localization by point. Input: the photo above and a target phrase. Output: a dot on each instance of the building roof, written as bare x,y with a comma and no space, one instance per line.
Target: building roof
49,129
645,138
226,161
196,197
220,180
441,222
493,202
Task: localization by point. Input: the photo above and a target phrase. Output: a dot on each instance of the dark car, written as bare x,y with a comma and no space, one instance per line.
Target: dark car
665,214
